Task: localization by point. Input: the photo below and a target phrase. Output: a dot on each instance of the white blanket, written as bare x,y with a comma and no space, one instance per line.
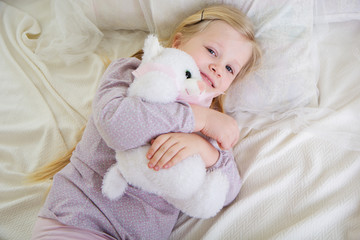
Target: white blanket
301,185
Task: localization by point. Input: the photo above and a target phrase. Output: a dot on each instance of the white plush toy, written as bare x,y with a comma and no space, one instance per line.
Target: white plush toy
166,75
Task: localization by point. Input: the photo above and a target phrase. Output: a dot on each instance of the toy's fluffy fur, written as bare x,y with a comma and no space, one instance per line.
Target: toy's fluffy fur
187,185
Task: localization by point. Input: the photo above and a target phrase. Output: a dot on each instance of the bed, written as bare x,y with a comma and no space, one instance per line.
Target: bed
299,114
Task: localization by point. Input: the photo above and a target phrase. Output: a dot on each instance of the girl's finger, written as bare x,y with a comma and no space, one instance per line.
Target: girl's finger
178,157
155,145
158,154
168,155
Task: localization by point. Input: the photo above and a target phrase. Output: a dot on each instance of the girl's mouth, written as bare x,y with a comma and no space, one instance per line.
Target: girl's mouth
207,80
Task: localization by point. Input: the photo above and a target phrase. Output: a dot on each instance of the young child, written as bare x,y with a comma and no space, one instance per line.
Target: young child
221,41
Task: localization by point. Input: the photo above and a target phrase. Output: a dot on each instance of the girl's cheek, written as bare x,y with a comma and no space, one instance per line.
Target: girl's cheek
198,60
226,85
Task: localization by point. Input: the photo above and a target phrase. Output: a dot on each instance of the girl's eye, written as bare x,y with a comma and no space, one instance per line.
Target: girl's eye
229,69
212,52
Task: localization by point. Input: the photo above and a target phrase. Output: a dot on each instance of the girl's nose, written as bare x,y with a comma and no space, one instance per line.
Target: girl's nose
215,70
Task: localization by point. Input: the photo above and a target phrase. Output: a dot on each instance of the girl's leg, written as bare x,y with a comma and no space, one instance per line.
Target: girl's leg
49,229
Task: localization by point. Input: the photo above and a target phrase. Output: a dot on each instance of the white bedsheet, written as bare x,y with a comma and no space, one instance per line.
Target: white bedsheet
296,185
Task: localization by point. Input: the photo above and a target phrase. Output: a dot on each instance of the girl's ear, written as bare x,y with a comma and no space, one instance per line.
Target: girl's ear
177,40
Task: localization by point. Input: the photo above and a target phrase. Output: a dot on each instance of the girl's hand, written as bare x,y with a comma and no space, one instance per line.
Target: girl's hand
216,125
171,148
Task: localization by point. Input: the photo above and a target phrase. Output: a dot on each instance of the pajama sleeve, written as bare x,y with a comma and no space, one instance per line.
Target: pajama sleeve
128,122
226,163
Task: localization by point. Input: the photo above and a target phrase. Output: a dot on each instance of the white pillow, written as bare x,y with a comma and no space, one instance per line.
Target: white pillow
287,78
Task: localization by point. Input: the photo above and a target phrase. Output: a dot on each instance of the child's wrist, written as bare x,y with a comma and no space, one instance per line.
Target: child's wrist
209,164
210,156
200,115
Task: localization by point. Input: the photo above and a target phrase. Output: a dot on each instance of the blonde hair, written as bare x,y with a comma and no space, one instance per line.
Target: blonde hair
195,23
47,171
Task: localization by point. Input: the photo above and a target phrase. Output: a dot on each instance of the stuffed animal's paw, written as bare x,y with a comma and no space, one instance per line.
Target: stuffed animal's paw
114,185
180,181
208,200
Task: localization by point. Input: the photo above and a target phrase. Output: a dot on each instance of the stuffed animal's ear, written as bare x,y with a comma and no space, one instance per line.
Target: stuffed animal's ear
152,48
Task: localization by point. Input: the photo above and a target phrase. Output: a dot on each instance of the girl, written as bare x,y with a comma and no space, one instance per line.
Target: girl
221,41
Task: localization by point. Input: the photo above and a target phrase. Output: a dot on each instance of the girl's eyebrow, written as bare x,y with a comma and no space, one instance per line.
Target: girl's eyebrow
238,65
218,45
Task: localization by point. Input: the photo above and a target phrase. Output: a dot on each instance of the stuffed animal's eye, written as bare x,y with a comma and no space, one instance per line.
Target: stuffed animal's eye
188,74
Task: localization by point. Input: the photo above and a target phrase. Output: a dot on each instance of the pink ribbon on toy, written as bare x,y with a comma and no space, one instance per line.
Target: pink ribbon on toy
204,99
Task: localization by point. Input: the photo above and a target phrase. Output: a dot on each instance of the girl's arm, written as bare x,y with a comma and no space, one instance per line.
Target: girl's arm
128,122
169,149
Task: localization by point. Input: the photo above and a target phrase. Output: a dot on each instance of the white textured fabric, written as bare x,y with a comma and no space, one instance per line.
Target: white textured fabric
296,186
287,77
339,48
336,11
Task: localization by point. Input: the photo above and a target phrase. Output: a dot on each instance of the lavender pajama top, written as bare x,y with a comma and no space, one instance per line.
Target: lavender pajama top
120,122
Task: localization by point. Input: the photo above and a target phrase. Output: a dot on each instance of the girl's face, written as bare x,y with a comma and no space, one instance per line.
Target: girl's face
219,52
